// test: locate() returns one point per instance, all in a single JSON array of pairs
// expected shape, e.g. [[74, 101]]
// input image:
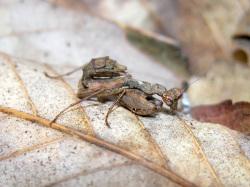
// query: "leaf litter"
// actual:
[[68, 161]]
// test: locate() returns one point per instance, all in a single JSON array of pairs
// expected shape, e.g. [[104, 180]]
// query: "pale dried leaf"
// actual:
[[28, 149]]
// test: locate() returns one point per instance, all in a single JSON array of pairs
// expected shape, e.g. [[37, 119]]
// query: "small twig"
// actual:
[[101, 143]]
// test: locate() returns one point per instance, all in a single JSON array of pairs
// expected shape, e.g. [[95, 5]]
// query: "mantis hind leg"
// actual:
[[76, 103], [112, 106]]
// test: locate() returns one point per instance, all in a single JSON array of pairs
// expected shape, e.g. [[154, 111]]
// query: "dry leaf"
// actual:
[[31, 155], [235, 116]]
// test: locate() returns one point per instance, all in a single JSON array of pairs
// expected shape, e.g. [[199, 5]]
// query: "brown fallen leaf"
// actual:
[[235, 116]]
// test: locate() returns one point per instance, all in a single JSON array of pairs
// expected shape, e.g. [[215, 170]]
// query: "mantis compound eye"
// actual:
[[171, 97], [167, 99]]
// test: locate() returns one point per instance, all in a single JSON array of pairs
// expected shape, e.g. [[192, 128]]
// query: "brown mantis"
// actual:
[[102, 67], [106, 79]]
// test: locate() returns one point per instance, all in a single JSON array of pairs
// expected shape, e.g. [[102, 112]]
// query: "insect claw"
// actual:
[[47, 75], [106, 120], [107, 123]]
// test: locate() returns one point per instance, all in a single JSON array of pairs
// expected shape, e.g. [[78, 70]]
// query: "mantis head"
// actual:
[[171, 97]]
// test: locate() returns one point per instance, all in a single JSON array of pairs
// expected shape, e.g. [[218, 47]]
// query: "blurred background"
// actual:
[[168, 41]]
